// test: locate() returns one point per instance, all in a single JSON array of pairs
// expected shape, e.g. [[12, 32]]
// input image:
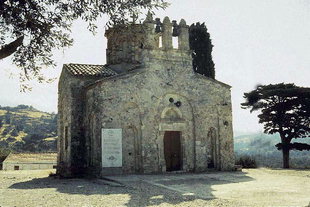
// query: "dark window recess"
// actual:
[[211, 164], [16, 167], [66, 137], [54, 166]]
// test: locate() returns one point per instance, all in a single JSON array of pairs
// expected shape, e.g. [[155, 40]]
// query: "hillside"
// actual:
[[262, 147], [26, 129]]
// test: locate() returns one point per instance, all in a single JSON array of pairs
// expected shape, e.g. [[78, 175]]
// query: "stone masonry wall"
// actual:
[[71, 142], [136, 102], [163, 94]]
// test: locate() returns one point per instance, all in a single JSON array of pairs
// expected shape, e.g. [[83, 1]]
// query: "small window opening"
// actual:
[[175, 42], [66, 138], [54, 166], [160, 45], [16, 167]]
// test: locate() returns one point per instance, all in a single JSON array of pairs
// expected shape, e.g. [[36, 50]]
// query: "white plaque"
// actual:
[[111, 145]]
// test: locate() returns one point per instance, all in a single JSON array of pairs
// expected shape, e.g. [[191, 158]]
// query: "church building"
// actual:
[[146, 110]]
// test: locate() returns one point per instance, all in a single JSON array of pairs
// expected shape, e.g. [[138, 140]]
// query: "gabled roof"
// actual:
[[31, 158], [89, 70]]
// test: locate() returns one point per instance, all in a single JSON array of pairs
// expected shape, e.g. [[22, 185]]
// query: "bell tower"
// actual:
[[149, 41]]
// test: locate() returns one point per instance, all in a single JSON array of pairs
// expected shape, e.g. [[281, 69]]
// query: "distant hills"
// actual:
[[26, 129], [262, 147], [256, 143]]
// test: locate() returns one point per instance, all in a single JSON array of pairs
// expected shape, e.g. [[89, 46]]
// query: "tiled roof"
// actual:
[[89, 70], [31, 158]]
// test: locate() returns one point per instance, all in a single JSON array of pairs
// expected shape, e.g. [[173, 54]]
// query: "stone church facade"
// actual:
[[146, 110]]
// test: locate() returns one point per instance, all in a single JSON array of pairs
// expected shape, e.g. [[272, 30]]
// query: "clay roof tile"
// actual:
[[89, 70]]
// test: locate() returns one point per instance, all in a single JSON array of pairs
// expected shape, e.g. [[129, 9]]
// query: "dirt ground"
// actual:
[[255, 187]]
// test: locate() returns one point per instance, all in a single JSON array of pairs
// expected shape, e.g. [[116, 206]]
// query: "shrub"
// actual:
[[246, 161], [14, 133]]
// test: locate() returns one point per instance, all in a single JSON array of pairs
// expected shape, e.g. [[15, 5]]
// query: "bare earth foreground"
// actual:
[[257, 187]]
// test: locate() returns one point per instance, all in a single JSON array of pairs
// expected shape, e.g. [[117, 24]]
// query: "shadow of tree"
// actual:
[[144, 190]]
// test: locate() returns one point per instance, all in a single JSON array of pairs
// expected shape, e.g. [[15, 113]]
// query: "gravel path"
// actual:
[[260, 187]]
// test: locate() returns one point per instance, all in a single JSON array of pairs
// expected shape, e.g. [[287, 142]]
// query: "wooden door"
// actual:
[[172, 150]]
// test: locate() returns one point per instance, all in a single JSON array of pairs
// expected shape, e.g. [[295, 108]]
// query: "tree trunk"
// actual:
[[286, 157]]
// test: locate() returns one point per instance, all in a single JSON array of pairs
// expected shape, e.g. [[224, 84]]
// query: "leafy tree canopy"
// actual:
[[285, 109], [32, 29], [200, 43]]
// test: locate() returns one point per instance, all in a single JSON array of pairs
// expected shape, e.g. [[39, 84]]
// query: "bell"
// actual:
[[158, 25], [175, 31]]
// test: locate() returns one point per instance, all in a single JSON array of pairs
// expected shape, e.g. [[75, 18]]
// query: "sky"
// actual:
[[255, 42]]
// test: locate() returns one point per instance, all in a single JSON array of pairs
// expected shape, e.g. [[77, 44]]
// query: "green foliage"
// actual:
[[200, 44], [5, 131], [32, 30], [17, 108], [246, 161], [21, 106], [14, 132], [285, 109], [7, 117], [294, 146]]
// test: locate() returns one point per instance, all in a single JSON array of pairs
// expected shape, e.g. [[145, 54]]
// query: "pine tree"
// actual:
[[285, 109]]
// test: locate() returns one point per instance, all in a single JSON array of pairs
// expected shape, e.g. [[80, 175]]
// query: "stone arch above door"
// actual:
[[171, 114], [175, 113]]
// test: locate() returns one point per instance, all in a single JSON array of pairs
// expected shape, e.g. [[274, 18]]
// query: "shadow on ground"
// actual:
[[144, 190]]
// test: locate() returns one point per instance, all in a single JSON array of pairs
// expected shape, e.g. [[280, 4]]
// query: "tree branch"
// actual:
[[294, 146], [10, 48]]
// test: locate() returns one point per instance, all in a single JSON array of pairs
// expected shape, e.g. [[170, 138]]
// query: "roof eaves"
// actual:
[[213, 80]]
